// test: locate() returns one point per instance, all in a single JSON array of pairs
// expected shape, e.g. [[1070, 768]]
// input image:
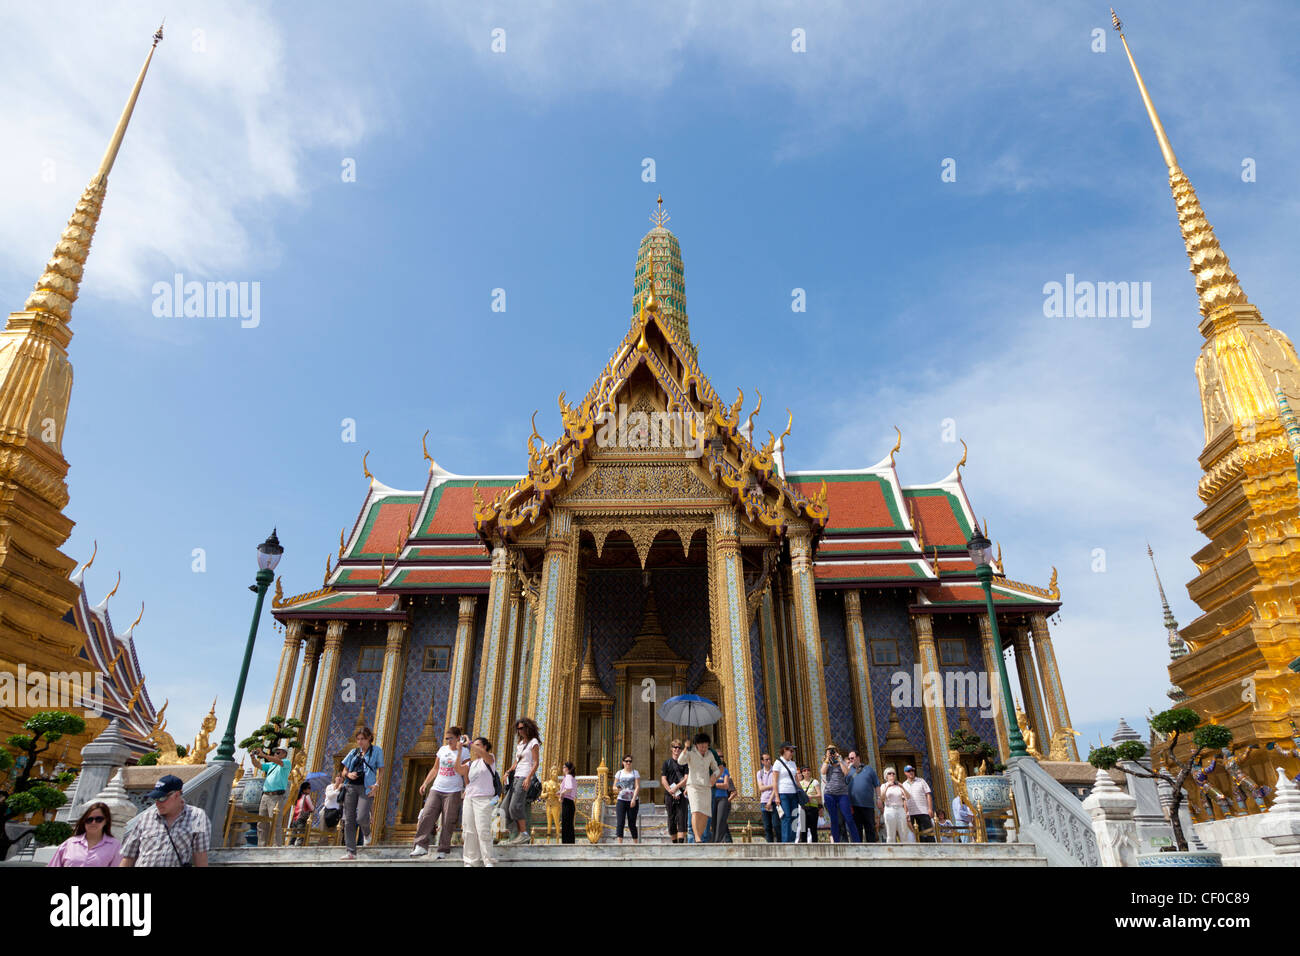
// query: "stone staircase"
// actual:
[[661, 854]]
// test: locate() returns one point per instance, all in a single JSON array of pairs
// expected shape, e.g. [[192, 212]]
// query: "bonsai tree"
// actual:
[[31, 793], [148, 760], [970, 744], [1170, 724], [270, 734]]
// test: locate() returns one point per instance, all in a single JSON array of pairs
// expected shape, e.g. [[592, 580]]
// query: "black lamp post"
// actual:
[[268, 556], [978, 547]]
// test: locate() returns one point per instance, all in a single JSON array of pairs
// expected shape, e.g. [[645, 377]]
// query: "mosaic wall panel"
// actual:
[[756, 659], [480, 630], [884, 615], [616, 604], [432, 624], [965, 627], [343, 713], [835, 665]]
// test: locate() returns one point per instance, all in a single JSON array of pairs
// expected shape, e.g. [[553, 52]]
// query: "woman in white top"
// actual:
[[442, 790], [480, 798], [333, 813], [894, 799], [628, 782], [528, 755]]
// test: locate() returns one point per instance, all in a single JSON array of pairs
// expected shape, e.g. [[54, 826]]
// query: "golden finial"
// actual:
[[1053, 589], [788, 425], [364, 469], [277, 599], [383, 568], [114, 591], [938, 571], [138, 617], [94, 551], [342, 543], [1000, 567], [651, 304], [425, 448], [478, 498], [964, 452], [1216, 283], [659, 217], [898, 445], [749, 422], [328, 569]]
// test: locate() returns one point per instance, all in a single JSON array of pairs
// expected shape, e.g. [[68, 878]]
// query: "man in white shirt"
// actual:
[[962, 817], [920, 802]]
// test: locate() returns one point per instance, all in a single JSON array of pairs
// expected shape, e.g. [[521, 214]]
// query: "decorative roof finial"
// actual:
[[659, 217], [366, 470], [59, 284], [115, 587], [1216, 283], [898, 445], [964, 452]]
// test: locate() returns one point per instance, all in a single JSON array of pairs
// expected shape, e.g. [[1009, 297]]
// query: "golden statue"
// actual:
[[596, 822], [1060, 748], [551, 797], [957, 772], [1027, 733], [164, 742], [199, 752]]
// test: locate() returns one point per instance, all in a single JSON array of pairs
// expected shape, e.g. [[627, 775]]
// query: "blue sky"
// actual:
[[522, 170]]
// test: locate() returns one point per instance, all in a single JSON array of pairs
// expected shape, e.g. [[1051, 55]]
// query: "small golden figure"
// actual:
[[551, 797]]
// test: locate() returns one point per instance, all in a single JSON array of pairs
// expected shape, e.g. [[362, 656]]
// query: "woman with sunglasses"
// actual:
[[92, 842], [628, 782], [528, 758], [894, 799]]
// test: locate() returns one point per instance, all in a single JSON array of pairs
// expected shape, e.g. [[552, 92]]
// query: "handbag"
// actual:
[[497, 789], [534, 789], [800, 795]]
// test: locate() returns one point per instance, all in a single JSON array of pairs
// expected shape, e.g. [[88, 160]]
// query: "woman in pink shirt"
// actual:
[[568, 803], [92, 842]]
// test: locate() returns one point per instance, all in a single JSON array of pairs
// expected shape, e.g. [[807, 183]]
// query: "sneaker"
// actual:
[[524, 838], [441, 855], [420, 851], [348, 856]]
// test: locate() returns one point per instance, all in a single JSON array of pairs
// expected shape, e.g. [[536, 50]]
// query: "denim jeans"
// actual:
[[840, 807], [865, 818], [789, 802], [771, 829]]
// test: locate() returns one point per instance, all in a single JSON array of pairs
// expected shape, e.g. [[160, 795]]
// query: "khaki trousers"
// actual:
[[267, 833], [438, 805]]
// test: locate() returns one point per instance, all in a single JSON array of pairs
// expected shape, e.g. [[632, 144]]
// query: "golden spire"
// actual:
[[57, 287], [659, 217], [1216, 283]]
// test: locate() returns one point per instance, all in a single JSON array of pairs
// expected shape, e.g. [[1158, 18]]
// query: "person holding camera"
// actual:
[[275, 766], [442, 799], [480, 798], [361, 766], [835, 794]]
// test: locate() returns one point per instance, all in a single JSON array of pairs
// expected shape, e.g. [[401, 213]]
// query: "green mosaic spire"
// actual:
[[670, 276]]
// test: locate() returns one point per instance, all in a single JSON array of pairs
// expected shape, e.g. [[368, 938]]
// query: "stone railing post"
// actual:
[[1112, 812], [1281, 825]]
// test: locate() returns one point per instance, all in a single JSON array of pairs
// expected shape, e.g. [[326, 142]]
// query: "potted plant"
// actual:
[[987, 790], [1170, 724], [30, 792], [276, 732]]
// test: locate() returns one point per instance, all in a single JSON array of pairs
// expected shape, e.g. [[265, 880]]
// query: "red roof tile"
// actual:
[[856, 502]]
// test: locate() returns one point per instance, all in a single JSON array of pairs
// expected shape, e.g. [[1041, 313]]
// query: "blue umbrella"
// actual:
[[318, 780], [689, 710]]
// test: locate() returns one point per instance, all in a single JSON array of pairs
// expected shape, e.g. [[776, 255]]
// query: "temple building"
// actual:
[[47, 624], [657, 546], [1238, 669]]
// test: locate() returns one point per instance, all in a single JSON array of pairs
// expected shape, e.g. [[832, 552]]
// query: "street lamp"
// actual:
[[268, 556], [978, 548]]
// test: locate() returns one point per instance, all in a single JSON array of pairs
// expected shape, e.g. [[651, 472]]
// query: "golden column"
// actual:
[[488, 706], [991, 675], [307, 679], [387, 714], [510, 663], [737, 667], [790, 661], [810, 642], [523, 699], [860, 674], [458, 702], [777, 719], [555, 615], [1055, 702], [318, 725], [936, 715], [283, 687], [1029, 689]]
